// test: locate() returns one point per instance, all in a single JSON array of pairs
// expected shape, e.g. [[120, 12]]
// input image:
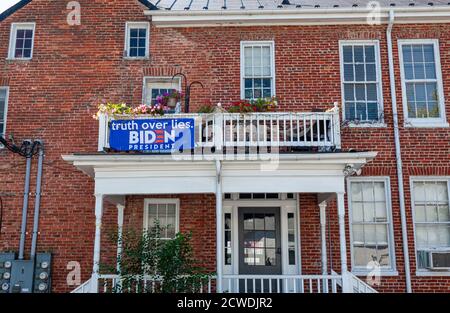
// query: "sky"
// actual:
[[4, 4]]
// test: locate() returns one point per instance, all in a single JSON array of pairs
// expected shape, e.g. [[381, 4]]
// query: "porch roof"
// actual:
[[118, 174]]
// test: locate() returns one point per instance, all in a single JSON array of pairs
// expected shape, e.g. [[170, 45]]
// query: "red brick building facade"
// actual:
[[53, 96]]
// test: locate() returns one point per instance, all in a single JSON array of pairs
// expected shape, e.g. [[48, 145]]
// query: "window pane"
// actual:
[[367, 190], [419, 71], [417, 53], [430, 71], [259, 221], [359, 72], [357, 209], [361, 111], [428, 51], [372, 92], [348, 72], [409, 71], [356, 191], [371, 74], [407, 53], [358, 234], [348, 53], [360, 92], [370, 53], [260, 257], [359, 53], [380, 212], [381, 235], [349, 93]]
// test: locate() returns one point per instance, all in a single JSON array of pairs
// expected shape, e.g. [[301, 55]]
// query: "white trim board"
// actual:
[[144, 174], [316, 16]]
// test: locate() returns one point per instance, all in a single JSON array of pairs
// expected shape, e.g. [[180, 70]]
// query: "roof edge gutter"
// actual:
[[385, 10], [398, 154], [329, 16]]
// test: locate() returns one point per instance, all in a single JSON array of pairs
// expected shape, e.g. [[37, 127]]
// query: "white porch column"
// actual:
[[120, 209], [219, 228], [323, 229], [98, 226], [343, 243]]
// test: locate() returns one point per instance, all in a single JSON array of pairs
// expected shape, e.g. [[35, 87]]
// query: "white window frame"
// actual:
[[423, 122], [385, 271], [12, 39], [5, 112], [412, 179], [128, 26], [154, 81], [376, 44], [271, 45], [175, 201]]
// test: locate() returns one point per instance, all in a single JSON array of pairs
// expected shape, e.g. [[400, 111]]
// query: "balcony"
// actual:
[[252, 132]]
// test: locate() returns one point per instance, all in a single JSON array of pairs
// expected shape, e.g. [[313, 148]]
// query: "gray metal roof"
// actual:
[[218, 5]]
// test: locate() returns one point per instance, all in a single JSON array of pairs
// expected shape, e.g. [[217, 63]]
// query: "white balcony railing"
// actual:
[[268, 129], [231, 284]]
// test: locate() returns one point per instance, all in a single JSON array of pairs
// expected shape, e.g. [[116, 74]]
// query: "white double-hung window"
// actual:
[[165, 212], [257, 69], [3, 109], [370, 224], [137, 40], [21, 41], [423, 96], [361, 81], [430, 202]]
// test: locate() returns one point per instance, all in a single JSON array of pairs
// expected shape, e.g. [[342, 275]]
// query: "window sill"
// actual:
[[421, 124], [367, 125], [18, 59], [383, 273], [136, 58], [425, 273]]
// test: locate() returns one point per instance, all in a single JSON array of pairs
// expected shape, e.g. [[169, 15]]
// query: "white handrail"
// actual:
[[83, 288], [352, 284]]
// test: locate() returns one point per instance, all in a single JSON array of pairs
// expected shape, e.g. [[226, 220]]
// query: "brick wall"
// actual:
[[74, 68]]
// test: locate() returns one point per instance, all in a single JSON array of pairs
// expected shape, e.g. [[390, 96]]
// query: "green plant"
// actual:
[[206, 109], [170, 264], [256, 105]]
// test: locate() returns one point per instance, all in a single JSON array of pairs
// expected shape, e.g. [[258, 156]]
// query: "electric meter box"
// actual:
[[6, 260], [22, 276], [42, 273]]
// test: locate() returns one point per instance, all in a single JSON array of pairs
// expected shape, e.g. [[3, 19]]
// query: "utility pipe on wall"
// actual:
[[398, 155], [37, 200], [26, 192]]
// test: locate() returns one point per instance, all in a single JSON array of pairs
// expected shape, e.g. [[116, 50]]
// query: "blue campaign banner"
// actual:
[[154, 135]]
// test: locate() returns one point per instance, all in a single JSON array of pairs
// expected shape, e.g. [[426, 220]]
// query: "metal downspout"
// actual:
[[398, 155], [219, 222]]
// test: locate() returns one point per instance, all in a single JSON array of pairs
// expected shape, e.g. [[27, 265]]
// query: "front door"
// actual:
[[259, 247]]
